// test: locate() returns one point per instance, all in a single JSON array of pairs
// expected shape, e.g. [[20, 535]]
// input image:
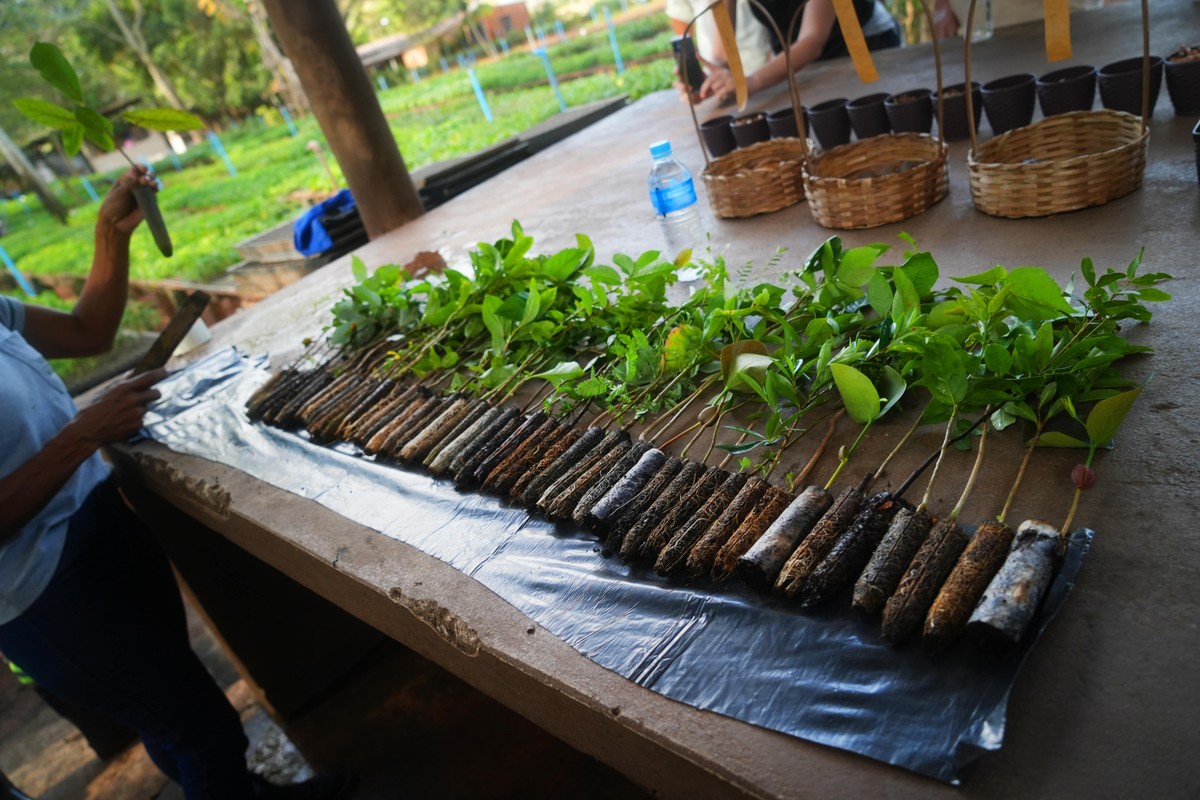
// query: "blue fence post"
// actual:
[[382, 81], [175, 162], [26, 287], [87, 187], [444, 63], [612, 39], [595, 15], [220, 148], [540, 53], [483, 103], [287, 120], [560, 30], [504, 46], [541, 35], [24, 203], [157, 181], [529, 38], [624, 5]]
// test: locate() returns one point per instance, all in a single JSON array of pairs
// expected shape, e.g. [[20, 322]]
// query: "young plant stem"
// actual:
[[679, 409], [1065, 528], [966, 492], [937, 454], [1012, 492], [903, 441], [937, 464], [802, 476], [845, 456]]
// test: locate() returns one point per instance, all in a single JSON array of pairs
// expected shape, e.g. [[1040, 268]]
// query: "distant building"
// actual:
[[505, 19]]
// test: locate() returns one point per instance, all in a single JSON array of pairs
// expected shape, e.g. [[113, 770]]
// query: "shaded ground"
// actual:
[[409, 728]]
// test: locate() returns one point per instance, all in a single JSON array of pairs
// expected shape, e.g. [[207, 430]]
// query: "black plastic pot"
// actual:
[[1196, 143], [750, 129], [782, 124], [954, 110], [1009, 101], [830, 123], [1121, 84], [718, 136], [147, 201], [1069, 89], [911, 111], [868, 117], [1183, 84]]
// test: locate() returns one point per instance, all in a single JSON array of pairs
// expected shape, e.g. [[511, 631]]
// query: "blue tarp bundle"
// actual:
[[309, 232]]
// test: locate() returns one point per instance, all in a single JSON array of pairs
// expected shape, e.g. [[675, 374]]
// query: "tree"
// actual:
[[131, 31]]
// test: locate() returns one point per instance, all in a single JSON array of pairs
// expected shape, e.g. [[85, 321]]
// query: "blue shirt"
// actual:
[[34, 407]]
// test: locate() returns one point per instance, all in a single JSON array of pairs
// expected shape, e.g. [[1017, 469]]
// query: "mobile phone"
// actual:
[[690, 70]]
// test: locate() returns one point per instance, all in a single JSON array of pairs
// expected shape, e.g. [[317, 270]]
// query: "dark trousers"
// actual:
[[109, 633]]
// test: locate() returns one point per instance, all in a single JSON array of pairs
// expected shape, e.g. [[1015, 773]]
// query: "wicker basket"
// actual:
[[875, 181], [1061, 163], [885, 178], [759, 179]]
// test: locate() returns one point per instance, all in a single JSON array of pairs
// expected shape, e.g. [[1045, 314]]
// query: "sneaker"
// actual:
[[334, 784]]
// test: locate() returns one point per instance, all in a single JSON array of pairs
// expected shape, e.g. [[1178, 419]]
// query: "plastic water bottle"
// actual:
[[674, 197]]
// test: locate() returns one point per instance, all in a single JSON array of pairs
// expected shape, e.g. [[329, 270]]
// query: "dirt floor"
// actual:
[[410, 730]]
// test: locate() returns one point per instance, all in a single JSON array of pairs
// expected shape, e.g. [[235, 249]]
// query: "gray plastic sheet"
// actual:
[[825, 676]]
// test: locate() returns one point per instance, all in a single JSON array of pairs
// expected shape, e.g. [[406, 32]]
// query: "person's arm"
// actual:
[[815, 28], [945, 21], [115, 416], [92, 325]]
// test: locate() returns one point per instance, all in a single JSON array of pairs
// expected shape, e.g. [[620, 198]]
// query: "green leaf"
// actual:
[[858, 264], [58, 72], [1153, 295], [1089, 271], [497, 376], [603, 274], [72, 138], [732, 350], [997, 358], [989, 278], [492, 321], [894, 387], [164, 119], [1056, 439], [906, 299], [594, 386], [1041, 295], [857, 392], [560, 372], [922, 271], [533, 303], [879, 293], [684, 344], [747, 372], [563, 265], [358, 268], [43, 113], [96, 127], [1107, 415]]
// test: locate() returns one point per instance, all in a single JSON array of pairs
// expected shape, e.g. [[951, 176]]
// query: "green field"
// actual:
[[209, 211]]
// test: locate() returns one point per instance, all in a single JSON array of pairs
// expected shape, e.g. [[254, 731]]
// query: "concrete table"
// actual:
[[1105, 706]]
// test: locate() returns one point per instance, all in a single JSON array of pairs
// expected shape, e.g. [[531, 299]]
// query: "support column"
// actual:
[[315, 38]]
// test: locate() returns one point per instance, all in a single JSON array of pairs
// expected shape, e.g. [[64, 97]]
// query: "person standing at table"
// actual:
[[88, 604], [818, 37]]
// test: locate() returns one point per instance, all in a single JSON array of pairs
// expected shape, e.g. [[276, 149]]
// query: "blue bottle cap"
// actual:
[[660, 149]]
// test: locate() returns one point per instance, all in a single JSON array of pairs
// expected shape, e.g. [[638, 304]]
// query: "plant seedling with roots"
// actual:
[[84, 122]]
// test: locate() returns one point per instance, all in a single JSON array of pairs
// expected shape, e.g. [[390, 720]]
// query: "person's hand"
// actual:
[[719, 84], [119, 212], [117, 414]]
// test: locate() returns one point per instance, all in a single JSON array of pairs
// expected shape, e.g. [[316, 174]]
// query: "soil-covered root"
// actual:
[[820, 539], [770, 505], [674, 555], [621, 522], [702, 554], [904, 610], [978, 564], [676, 490], [761, 563], [1012, 597], [886, 566], [617, 488], [849, 554]]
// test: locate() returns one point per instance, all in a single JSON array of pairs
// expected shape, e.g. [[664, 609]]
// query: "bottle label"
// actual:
[[673, 198]]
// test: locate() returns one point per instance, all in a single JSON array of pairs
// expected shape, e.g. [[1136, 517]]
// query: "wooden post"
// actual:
[[343, 100]]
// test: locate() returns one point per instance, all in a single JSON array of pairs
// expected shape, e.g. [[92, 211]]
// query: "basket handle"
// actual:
[[1146, 110]]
